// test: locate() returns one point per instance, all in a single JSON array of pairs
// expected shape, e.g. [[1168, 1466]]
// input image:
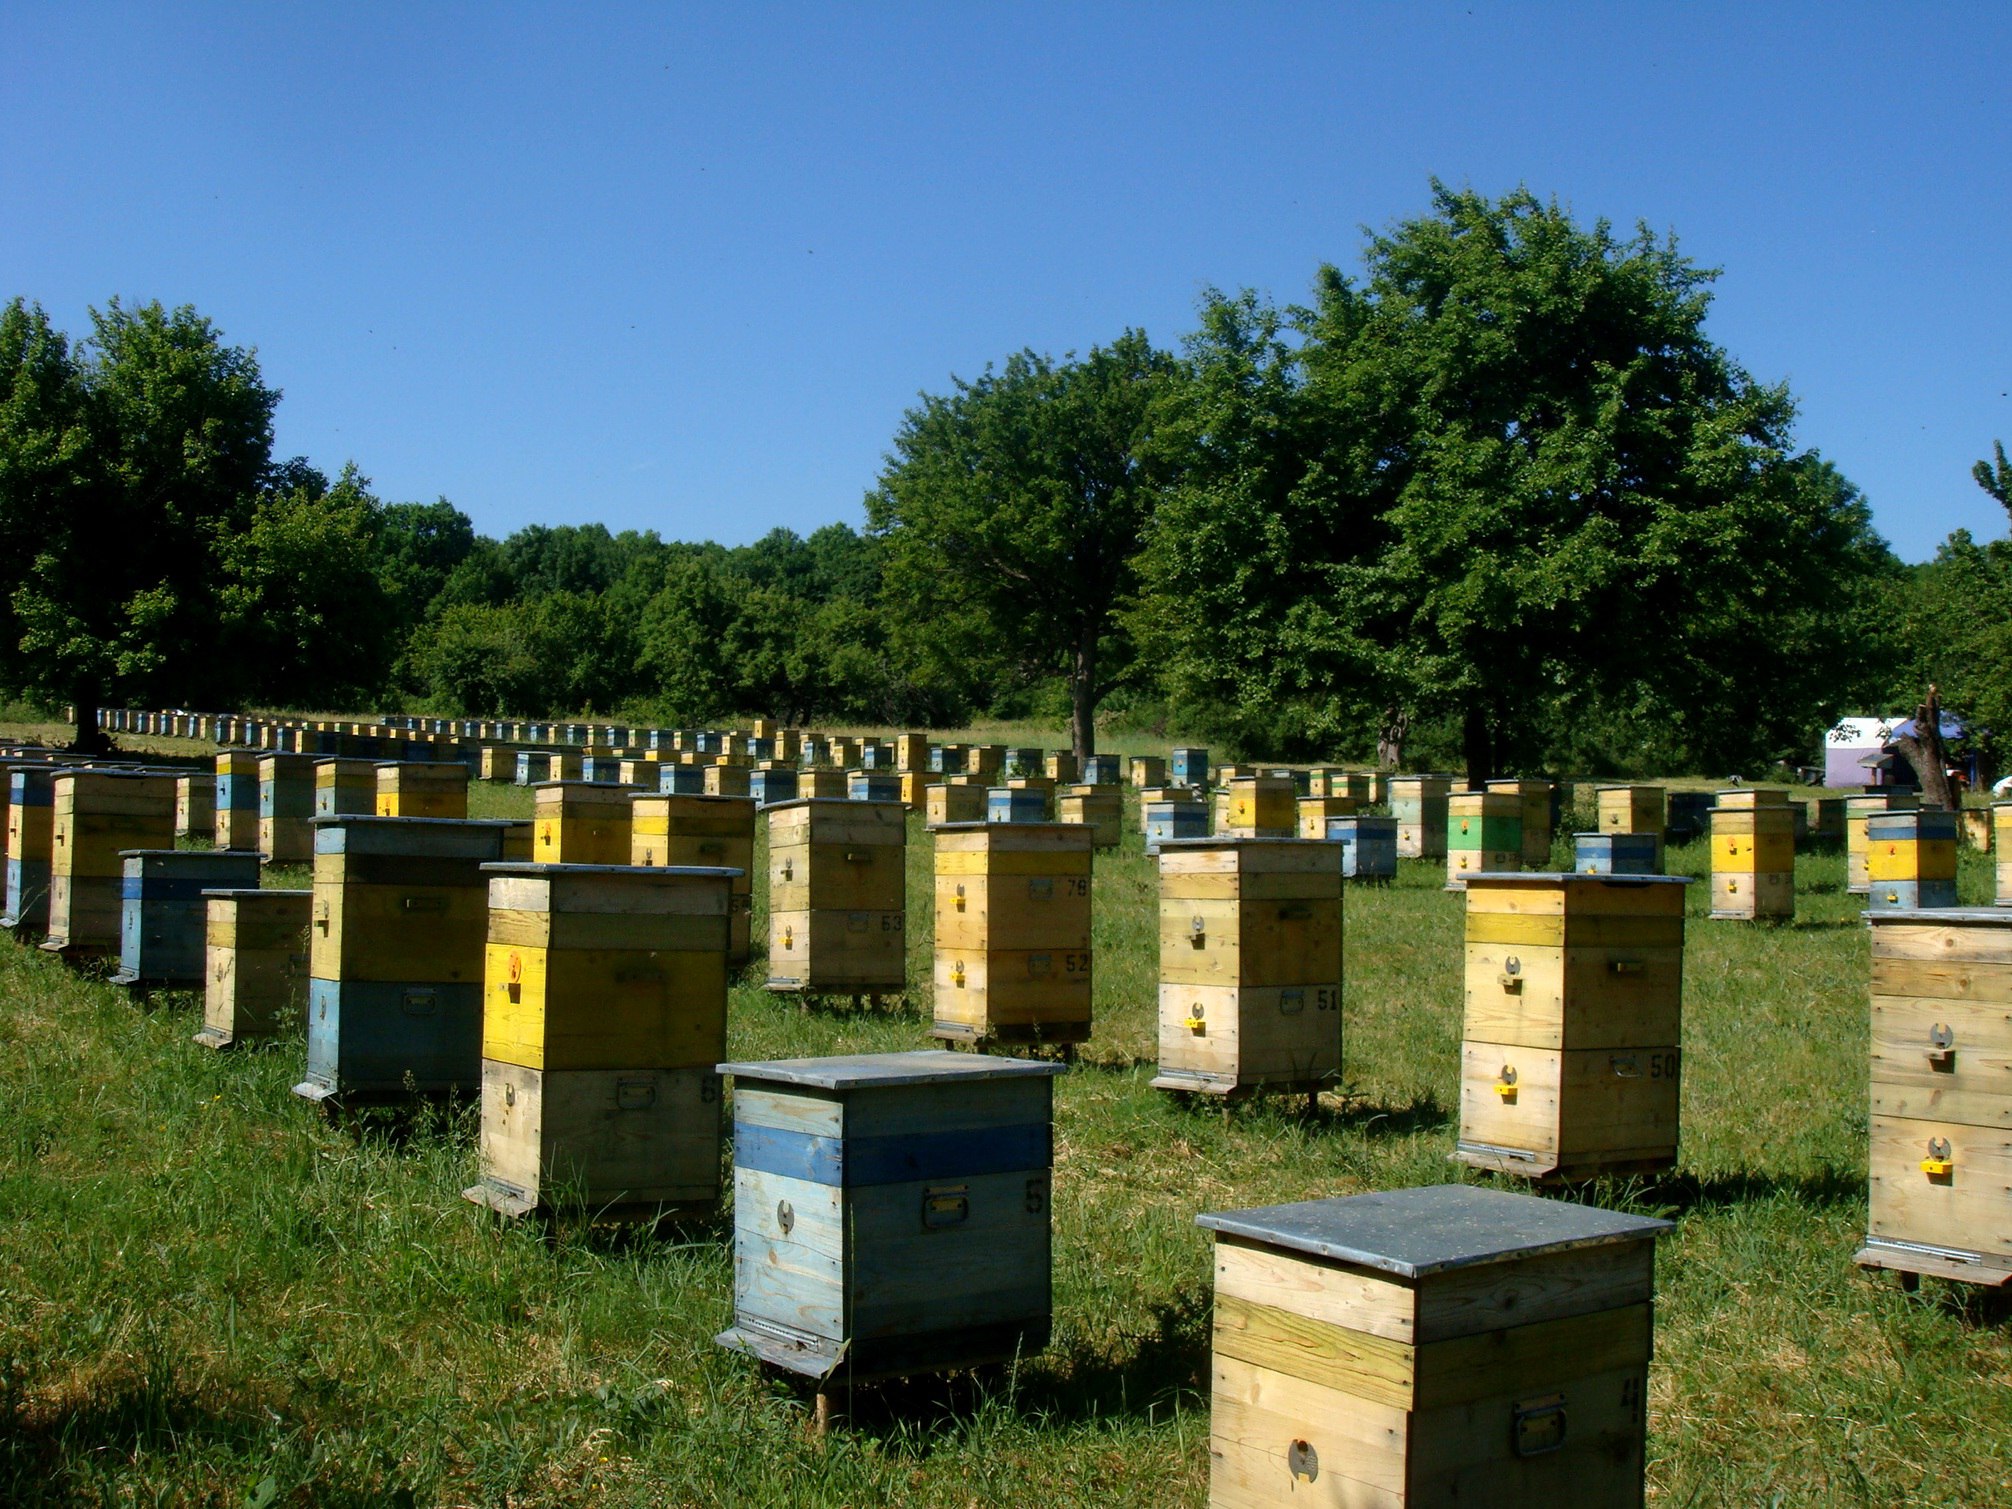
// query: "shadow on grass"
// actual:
[[892, 1004], [404, 1125], [1841, 924], [1683, 1193], [1370, 1119]]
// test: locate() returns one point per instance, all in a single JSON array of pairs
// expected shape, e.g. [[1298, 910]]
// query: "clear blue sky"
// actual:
[[682, 268]]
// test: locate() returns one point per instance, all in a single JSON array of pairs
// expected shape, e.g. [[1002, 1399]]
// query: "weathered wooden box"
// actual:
[[1941, 1154], [97, 815], [837, 896], [1616, 854], [954, 802], [31, 814], [1101, 770], [911, 752], [1016, 804], [873, 786], [1062, 767], [1634, 809], [915, 787], [1316, 812], [237, 799], [1261, 806], [1146, 770], [345, 787], [1688, 814], [891, 1212], [768, 787], [724, 779], [255, 964], [422, 788], [604, 1011], [286, 808], [581, 823], [1533, 810], [1418, 802], [2001, 837], [1431, 1347], [701, 831], [497, 763], [163, 918], [1858, 810], [1189, 766], [680, 779], [1012, 933], [196, 806], [1570, 1053], [988, 760], [1484, 831], [1175, 814], [1100, 808], [1753, 855], [1368, 846], [400, 920], [1910, 859], [1250, 965]]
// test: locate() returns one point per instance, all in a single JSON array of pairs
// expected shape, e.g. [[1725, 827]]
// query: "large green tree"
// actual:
[[1012, 512], [1507, 481]]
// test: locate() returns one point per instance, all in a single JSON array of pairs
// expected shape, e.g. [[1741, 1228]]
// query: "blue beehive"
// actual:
[[1174, 817], [605, 770], [891, 1212], [31, 815], [873, 786], [534, 766], [682, 780], [1016, 804], [1190, 766], [1102, 770], [163, 917], [1617, 853], [1368, 846], [706, 742], [770, 786]]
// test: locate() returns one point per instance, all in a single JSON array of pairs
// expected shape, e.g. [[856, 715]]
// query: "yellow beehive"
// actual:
[[1422, 1348], [1753, 855], [844, 753], [413, 788], [837, 896], [703, 831], [958, 800], [1100, 808], [604, 1013], [1250, 965], [1941, 1153], [1533, 806], [1013, 933], [766, 728], [985, 760], [1857, 810], [911, 753], [498, 763], [823, 784], [1062, 767], [98, 814], [1634, 809], [1570, 1057], [1260, 806], [915, 784], [580, 823], [2001, 823], [1146, 770], [1314, 811], [255, 986]]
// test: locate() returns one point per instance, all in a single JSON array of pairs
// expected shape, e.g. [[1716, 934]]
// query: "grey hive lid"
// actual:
[[927, 1066], [1559, 877], [1943, 916], [531, 869], [1413, 1233]]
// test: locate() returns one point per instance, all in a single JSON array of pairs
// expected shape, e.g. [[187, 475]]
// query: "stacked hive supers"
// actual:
[[97, 815], [702, 831], [1418, 802], [837, 896], [256, 964], [1753, 855], [1484, 832]]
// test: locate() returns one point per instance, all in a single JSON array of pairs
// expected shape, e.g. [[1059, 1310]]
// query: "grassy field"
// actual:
[[209, 1295]]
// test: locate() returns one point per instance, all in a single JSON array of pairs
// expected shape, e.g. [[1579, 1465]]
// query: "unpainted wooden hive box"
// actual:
[[1147, 770], [196, 806], [286, 808], [255, 964], [400, 919], [422, 788], [1250, 964], [1177, 812], [1941, 1157], [163, 918], [96, 815], [1753, 855], [1418, 802], [891, 1212], [1317, 811], [345, 787], [672, 829], [580, 823], [837, 896], [603, 1014], [1633, 809], [1100, 808], [1013, 961], [2001, 840], [1484, 831], [1439, 1346], [953, 802], [1570, 1061]]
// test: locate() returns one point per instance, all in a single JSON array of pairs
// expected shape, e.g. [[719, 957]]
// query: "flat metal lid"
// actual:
[[1413, 1233], [1230, 841], [1942, 916], [926, 1066], [536, 870], [1558, 877]]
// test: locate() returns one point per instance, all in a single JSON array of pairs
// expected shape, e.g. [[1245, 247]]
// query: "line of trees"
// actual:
[[1498, 502]]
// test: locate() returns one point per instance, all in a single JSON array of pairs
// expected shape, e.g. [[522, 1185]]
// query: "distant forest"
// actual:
[[1496, 501]]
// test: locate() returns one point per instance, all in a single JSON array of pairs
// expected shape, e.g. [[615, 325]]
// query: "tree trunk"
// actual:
[[1923, 750], [89, 739], [1478, 743], [1083, 697], [1390, 732]]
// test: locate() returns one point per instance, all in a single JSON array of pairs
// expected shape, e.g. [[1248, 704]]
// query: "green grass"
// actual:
[[209, 1295]]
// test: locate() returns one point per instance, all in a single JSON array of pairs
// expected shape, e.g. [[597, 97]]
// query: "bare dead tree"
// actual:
[[1923, 750]]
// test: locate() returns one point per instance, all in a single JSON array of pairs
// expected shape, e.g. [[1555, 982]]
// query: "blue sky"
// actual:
[[683, 267]]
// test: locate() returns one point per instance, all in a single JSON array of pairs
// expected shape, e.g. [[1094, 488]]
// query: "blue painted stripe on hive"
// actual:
[[856, 1162]]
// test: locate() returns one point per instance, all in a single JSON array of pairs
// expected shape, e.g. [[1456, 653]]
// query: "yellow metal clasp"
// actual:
[[960, 906], [788, 938], [1194, 1021], [1938, 1164], [1505, 1084], [1511, 977], [957, 974]]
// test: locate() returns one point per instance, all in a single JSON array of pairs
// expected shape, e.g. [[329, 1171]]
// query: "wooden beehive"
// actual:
[[1910, 859], [579, 823], [1012, 933], [1616, 854], [1633, 809], [604, 1013], [915, 786], [704, 832], [988, 760], [163, 918], [1418, 802], [1026, 760], [1688, 815], [1250, 965], [1260, 806], [1753, 855], [1570, 1051], [345, 787], [422, 788], [395, 956], [1430, 1347], [96, 816], [1316, 812], [1176, 812], [1484, 832], [1099, 808], [255, 964], [1101, 770], [286, 808], [768, 787], [1533, 809], [1062, 767], [196, 806], [1368, 846], [681, 779], [954, 802], [1189, 766], [872, 786], [2001, 829], [1147, 770], [837, 897], [31, 813], [891, 1212], [823, 785], [237, 799], [497, 763], [911, 752], [1017, 804], [1941, 1144]]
